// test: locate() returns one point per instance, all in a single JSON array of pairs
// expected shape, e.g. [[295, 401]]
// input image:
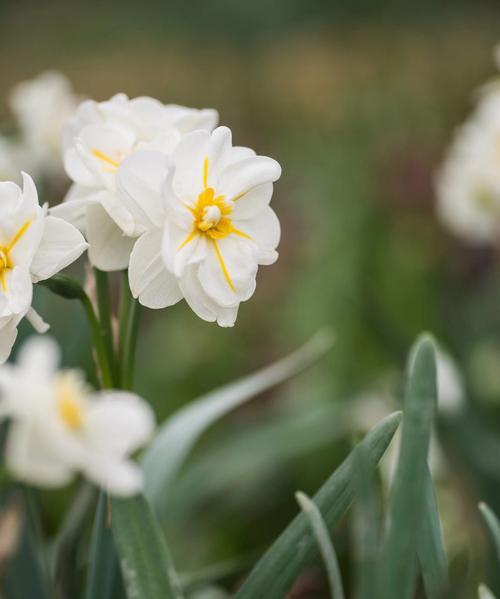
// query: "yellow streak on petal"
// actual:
[[18, 235], [240, 233], [239, 196], [205, 173], [3, 282], [188, 239], [105, 158], [223, 266]]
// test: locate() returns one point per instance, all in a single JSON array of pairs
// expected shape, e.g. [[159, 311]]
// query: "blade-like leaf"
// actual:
[[177, 436], [430, 546], [144, 559], [25, 574], [103, 572], [493, 525], [295, 548], [367, 525], [484, 592], [397, 572], [325, 544]]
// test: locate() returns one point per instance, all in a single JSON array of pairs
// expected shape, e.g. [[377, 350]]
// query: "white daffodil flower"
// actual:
[[468, 185], [33, 247], [59, 427], [96, 141], [42, 106], [219, 225]]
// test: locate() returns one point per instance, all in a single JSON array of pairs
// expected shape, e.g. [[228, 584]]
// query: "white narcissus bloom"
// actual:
[[60, 427], [468, 184], [33, 247], [220, 226], [96, 141], [42, 105]]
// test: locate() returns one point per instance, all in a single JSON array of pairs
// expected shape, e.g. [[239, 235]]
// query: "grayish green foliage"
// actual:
[[397, 571], [325, 544], [178, 435], [295, 548], [142, 552]]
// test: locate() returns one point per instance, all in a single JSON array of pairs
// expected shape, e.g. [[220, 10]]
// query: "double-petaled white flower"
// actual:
[[60, 427], [33, 247], [207, 220], [96, 142], [41, 106]]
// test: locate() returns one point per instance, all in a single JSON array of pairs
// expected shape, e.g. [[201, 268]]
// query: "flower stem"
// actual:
[[71, 289], [100, 349], [129, 343], [106, 330]]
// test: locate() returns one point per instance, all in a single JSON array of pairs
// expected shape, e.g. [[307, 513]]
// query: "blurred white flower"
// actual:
[[451, 390], [96, 141], [468, 185], [59, 427], [219, 226], [42, 106], [33, 247]]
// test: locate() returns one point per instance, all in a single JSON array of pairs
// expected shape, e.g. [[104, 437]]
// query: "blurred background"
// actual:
[[358, 101]]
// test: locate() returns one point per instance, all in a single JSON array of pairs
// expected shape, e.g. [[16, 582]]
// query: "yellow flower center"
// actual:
[[6, 263], [70, 395], [211, 215]]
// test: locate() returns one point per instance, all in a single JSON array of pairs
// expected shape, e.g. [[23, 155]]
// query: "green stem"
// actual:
[[123, 312], [99, 346], [106, 330], [71, 289], [129, 344]]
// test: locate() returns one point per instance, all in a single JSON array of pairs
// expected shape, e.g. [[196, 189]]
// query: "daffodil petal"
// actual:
[[149, 279], [109, 248]]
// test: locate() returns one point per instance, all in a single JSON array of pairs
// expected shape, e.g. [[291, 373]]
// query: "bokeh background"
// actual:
[[358, 101]]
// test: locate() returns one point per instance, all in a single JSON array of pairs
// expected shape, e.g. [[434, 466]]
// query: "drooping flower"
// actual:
[[59, 427], [41, 106], [220, 226], [96, 141], [33, 247]]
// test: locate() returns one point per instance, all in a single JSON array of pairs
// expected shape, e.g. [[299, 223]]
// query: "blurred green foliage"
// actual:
[[358, 101]]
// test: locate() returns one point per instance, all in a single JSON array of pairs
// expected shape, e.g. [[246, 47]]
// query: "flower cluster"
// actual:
[[468, 185], [58, 427], [158, 190]]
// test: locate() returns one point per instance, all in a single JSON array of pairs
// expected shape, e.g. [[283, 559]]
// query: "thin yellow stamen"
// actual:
[[105, 158], [3, 281], [188, 239], [18, 235], [225, 272], [240, 233], [205, 173]]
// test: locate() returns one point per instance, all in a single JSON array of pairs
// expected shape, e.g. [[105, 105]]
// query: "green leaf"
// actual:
[[144, 559], [397, 571], [430, 546], [295, 548], [177, 436], [367, 525], [65, 286], [103, 579], [493, 525], [484, 592], [325, 544], [26, 574]]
